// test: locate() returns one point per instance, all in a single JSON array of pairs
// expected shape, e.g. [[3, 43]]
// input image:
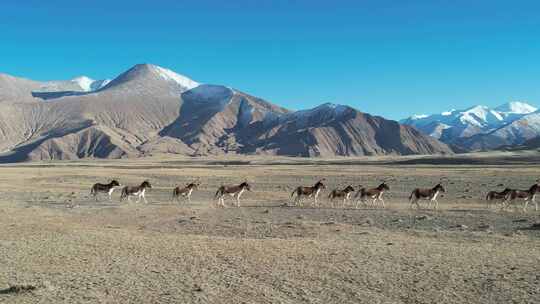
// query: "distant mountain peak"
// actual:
[[457, 125], [80, 84], [179, 79], [84, 82], [517, 107], [146, 72]]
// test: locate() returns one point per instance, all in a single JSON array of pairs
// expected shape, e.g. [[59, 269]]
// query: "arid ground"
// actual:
[[58, 245]]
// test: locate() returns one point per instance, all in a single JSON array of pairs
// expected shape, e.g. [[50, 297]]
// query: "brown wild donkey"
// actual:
[[375, 194], [426, 194], [526, 195], [493, 196], [344, 194], [104, 188], [138, 191], [234, 191], [312, 191], [185, 191]]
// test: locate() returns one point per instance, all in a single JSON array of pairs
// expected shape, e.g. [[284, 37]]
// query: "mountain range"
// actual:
[[151, 110], [481, 128]]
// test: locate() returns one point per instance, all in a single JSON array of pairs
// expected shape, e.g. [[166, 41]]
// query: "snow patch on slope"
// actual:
[[517, 107], [84, 82], [179, 79]]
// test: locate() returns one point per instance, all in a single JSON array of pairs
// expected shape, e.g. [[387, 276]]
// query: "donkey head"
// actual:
[[146, 184], [383, 186], [439, 187], [245, 185]]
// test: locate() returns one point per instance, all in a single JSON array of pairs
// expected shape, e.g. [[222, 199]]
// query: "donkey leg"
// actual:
[[505, 204], [414, 202]]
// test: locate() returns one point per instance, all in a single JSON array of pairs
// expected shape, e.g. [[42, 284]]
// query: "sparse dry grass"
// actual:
[[107, 252]]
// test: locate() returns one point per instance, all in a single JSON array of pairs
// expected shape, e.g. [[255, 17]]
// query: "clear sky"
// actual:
[[390, 58]]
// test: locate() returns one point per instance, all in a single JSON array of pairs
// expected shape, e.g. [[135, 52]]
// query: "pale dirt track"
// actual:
[[74, 250]]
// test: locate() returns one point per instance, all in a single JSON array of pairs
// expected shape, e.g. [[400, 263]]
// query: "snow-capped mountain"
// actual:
[[175, 77], [77, 84], [516, 107], [152, 110], [143, 76], [516, 133], [456, 124]]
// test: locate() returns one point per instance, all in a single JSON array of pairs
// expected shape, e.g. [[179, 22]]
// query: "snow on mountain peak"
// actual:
[[172, 76], [478, 119], [516, 107], [84, 82], [447, 113]]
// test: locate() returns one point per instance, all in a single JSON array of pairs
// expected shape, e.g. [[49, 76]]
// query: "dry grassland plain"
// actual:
[[58, 245]]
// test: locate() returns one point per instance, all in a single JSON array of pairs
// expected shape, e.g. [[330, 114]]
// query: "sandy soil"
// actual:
[[57, 245]]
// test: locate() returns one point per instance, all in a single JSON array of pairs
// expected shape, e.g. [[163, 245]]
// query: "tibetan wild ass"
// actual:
[[185, 191], [493, 196], [234, 191], [344, 194], [426, 194], [375, 194], [138, 191], [104, 188], [526, 195], [312, 191]]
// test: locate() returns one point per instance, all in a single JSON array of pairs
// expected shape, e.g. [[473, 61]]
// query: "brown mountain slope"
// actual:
[[330, 130], [15, 89], [150, 110]]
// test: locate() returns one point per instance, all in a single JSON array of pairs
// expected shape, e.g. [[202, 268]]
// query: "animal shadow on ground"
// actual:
[[535, 226], [15, 289]]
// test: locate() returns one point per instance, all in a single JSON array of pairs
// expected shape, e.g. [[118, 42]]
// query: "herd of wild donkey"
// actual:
[[373, 196]]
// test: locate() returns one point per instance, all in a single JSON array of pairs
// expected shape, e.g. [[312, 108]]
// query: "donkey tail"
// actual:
[[412, 194]]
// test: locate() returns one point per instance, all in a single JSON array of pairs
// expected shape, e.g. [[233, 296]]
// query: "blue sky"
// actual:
[[390, 58]]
